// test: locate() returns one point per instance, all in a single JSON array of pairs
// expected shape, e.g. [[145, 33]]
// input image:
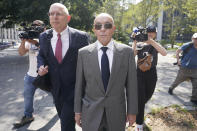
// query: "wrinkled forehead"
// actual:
[[103, 19]]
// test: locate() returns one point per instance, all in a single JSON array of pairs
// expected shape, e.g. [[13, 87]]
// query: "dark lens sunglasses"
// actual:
[[98, 26]]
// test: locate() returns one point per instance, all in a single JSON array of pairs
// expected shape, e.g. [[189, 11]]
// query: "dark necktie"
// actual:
[[58, 49], [105, 67]]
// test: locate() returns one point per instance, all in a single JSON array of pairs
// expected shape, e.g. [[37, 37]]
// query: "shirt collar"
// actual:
[[64, 32], [110, 45]]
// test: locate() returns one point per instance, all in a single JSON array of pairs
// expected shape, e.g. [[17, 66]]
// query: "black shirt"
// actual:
[[144, 49]]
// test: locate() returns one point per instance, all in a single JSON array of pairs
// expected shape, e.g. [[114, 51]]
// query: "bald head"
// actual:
[[104, 28], [102, 15], [59, 5]]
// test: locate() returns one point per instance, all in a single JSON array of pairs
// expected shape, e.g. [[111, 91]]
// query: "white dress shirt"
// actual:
[[33, 53], [109, 53], [65, 41]]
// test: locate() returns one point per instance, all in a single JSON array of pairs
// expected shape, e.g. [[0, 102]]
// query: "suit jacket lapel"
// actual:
[[115, 67], [94, 63]]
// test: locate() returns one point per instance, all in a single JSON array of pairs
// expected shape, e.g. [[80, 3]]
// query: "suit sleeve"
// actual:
[[80, 85], [131, 86], [41, 60]]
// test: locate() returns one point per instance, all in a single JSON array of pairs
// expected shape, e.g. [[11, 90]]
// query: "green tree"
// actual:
[[174, 21], [116, 8], [82, 12], [17, 11], [191, 13], [142, 14]]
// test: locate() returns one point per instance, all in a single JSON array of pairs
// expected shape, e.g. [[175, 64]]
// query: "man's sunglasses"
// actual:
[[98, 26]]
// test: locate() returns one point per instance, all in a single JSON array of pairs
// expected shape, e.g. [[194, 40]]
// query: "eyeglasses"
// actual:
[[55, 14], [98, 26]]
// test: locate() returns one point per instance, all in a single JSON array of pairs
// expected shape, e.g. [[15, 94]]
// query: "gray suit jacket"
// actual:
[[90, 96]]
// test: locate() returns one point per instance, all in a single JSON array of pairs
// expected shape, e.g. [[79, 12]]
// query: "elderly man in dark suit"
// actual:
[[106, 76], [58, 57]]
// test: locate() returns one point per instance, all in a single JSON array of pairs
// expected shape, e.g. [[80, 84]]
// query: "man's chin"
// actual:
[[104, 42]]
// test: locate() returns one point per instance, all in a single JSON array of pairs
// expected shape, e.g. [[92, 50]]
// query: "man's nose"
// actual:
[[102, 28]]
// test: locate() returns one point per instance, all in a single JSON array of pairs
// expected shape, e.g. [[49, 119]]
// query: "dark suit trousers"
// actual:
[[66, 115], [103, 125], [146, 86]]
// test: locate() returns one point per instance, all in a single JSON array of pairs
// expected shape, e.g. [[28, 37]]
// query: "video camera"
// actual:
[[141, 34], [31, 32]]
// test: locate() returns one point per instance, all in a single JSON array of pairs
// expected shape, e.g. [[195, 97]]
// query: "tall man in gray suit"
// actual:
[[106, 76]]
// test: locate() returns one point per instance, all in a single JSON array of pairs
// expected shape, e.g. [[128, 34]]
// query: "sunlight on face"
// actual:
[[58, 18], [104, 34]]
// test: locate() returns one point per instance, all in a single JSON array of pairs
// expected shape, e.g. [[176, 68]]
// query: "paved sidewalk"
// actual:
[[13, 68]]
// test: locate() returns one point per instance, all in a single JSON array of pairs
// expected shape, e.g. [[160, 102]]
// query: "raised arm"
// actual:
[[157, 46], [22, 50]]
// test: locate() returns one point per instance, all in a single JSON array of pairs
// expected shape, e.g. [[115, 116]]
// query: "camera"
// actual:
[[141, 34], [30, 32]]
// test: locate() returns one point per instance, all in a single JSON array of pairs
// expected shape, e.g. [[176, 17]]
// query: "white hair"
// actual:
[[62, 6]]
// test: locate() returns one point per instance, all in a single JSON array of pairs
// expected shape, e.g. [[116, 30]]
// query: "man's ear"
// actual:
[[68, 18], [114, 27]]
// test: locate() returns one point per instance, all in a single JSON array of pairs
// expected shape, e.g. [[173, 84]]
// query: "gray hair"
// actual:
[[62, 6]]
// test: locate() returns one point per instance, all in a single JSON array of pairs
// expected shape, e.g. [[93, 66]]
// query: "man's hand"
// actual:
[[131, 119], [42, 70], [150, 41], [78, 119]]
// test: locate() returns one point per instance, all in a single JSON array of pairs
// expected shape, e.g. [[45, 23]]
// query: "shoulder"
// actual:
[[87, 48], [186, 45], [77, 32], [123, 47], [47, 33]]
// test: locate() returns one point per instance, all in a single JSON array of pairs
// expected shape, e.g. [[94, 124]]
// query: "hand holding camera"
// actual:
[[32, 41], [140, 34]]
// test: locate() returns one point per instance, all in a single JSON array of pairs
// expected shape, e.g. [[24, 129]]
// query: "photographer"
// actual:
[[146, 48], [30, 45], [188, 67]]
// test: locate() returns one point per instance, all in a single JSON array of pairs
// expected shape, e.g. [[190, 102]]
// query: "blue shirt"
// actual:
[[190, 58]]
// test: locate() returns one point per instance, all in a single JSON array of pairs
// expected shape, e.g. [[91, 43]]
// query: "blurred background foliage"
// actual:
[[180, 16]]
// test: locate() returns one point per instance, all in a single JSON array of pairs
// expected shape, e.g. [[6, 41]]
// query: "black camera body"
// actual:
[[141, 34], [31, 32]]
